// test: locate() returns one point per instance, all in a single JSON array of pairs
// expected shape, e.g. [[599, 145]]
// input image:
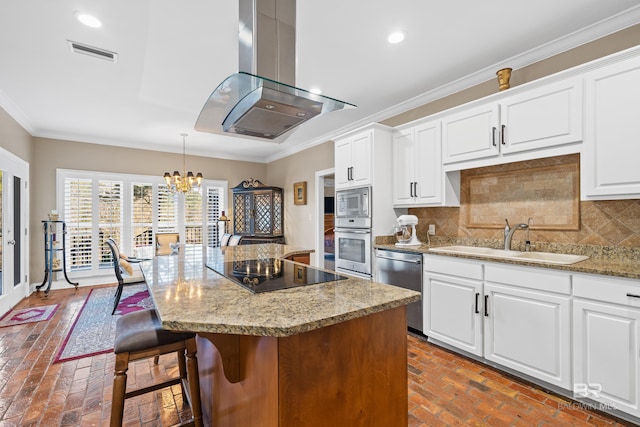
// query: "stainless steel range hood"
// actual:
[[261, 100]]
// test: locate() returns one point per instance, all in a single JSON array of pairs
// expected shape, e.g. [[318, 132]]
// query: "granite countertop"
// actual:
[[609, 261], [191, 297]]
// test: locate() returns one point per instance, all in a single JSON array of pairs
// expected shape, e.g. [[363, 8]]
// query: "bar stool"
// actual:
[[139, 335]]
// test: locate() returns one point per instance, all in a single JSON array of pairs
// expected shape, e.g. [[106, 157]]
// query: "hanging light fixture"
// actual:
[[185, 182]]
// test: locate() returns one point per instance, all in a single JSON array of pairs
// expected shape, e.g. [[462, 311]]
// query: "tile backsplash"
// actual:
[[605, 223]]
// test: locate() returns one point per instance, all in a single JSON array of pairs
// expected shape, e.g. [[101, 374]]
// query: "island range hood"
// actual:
[[261, 101]]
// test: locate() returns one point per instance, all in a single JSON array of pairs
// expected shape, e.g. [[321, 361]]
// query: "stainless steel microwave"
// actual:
[[353, 203]]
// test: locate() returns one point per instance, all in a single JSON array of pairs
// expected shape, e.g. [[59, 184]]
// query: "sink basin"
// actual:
[[475, 250], [541, 257], [551, 258]]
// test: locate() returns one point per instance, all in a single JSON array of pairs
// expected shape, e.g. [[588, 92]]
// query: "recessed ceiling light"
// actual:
[[395, 37], [88, 20]]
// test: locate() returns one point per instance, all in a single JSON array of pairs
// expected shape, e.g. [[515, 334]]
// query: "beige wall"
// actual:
[[51, 154], [14, 138], [300, 220]]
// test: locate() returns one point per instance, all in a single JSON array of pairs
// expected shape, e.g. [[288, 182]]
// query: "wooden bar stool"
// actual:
[[139, 335]]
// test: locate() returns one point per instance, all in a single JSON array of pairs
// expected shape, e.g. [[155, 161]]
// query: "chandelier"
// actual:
[[185, 182]]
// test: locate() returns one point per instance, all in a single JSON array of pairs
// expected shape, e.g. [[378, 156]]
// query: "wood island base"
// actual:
[[353, 373]]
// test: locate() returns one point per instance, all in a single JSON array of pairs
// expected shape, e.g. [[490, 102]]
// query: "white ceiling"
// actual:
[[172, 54]]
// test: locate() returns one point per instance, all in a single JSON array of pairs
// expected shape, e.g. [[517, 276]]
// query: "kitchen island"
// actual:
[[324, 354]]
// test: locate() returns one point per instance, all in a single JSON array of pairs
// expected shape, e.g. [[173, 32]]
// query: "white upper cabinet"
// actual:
[[543, 117], [354, 155], [471, 134], [418, 179], [611, 150], [525, 122]]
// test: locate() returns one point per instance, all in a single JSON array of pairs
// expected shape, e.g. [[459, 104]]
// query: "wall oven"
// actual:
[[353, 231], [353, 251]]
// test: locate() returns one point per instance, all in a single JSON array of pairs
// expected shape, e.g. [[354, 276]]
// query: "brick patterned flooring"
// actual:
[[444, 389]]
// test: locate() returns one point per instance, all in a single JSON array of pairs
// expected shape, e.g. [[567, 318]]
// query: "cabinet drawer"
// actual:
[[529, 277], [453, 266], [615, 290]]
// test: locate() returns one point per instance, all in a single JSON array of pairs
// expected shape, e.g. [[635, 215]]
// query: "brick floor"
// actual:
[[444, 389]]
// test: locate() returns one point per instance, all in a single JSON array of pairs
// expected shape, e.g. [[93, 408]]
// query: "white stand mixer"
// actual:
[[406, 231]]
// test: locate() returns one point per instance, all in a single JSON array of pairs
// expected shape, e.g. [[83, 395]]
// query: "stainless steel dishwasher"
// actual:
[[403, 269]]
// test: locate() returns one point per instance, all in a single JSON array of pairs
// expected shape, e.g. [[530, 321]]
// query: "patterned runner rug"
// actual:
[[18, 316], [93, 331]]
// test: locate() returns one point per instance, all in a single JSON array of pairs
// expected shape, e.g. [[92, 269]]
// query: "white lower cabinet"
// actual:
[[452, 315], [606, 331], [529, 331], [518, 317]]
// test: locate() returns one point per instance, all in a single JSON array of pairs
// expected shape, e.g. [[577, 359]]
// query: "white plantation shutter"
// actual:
[[167, 209], [78, 214], [141, 214], [109, 218], [130, 209], [193, 217]]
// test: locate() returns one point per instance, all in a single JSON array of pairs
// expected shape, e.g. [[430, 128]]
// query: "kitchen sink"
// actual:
[[551, 258], [540, 257], [475, 250]]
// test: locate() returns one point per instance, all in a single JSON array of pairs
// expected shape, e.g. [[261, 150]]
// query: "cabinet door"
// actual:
[[452, 311], [611, 152], [428, 170], [529, 331], [342, 163], [607, 354], [361, 159], [471, 134], [542, 117], [403, 167]]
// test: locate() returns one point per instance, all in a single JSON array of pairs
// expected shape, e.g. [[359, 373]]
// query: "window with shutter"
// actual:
[[142, 214], [78, 214], [109, 218], [193, 218], [130, 209]]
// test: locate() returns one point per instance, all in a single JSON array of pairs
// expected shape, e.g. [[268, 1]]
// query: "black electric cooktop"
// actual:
[[271, 274]]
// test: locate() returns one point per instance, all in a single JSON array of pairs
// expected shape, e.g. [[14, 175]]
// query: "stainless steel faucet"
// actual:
[[508, 233]]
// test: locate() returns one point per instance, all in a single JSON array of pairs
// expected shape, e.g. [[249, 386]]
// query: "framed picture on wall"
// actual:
[[300, 193]]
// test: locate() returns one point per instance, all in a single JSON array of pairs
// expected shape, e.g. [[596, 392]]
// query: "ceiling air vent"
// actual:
[[93, 51]]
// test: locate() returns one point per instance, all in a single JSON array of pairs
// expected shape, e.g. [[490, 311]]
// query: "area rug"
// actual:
[[94, 328], [19, 316]]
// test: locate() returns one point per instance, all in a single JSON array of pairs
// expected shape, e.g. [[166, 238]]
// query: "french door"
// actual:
[[14, 225]]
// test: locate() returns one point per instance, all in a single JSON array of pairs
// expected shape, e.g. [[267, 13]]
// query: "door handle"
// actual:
[[11, 242], [493, 136], [633, 296], [477, 297], [486, 305], [504, 127]]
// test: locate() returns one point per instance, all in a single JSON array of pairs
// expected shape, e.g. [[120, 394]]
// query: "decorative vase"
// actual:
[[503, 78]]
